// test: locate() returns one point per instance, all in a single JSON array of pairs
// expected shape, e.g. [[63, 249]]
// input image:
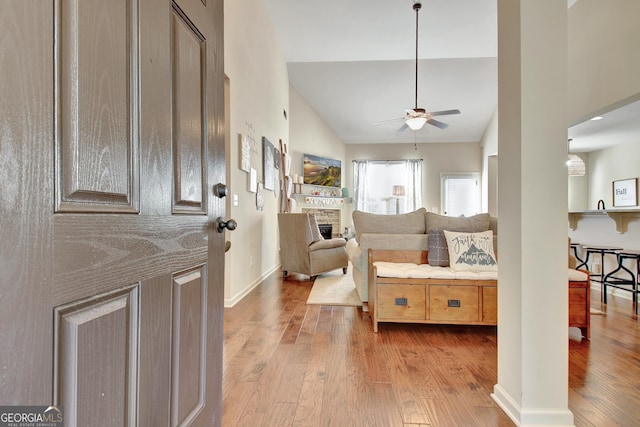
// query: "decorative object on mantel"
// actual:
[[625, 193], [326, 201]]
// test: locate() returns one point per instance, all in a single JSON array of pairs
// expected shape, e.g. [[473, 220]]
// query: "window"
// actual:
[[387, 186], [460, 194]]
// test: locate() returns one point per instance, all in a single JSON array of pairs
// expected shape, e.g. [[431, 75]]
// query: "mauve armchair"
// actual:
[[304, 250]]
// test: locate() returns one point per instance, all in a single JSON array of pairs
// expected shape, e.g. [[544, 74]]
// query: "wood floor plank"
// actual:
[[289, 364]]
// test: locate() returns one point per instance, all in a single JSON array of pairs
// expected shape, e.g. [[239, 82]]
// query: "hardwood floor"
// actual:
[[291, 364]]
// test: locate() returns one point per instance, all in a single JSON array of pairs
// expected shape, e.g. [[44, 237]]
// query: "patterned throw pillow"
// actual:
[[471, 251], [438, 253]]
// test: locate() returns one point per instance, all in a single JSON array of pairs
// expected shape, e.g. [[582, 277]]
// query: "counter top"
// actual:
[[620, 216]]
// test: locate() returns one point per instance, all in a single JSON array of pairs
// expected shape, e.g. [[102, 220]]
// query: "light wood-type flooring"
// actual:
[[291, 364]]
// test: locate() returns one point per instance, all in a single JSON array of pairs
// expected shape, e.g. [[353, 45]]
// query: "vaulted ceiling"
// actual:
[[354, 62]]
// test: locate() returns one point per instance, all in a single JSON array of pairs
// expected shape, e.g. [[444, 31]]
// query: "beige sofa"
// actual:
[[408, 231]]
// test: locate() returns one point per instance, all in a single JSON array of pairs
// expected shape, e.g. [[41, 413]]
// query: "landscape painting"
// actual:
[[322, 171]]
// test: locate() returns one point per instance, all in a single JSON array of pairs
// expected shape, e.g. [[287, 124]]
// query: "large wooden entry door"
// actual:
[[111, 266]]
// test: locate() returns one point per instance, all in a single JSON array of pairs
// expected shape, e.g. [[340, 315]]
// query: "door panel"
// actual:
[[189, 116], [96, 347], [112, 297], [189, 345], [155, 351], [97, 105]]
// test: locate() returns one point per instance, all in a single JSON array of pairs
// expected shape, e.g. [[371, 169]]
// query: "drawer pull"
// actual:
[[401, 301], [453, 303]]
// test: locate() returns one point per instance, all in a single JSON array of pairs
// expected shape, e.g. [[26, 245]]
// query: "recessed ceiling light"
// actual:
[[597, 118]]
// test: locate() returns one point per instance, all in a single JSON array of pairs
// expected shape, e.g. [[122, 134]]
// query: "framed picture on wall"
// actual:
[[245, 153], [625, 193], [268, 165]]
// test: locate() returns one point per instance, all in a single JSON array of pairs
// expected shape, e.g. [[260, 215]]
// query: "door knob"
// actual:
[[220, 190], [229, 224]]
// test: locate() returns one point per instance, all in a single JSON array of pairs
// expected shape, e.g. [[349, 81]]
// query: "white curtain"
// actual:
[[413, 199], [373, 182], [359, 187]]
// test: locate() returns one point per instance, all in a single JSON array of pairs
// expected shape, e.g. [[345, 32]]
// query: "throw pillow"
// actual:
[[472, 224], [409, 223], [438, 255], [471, 251]]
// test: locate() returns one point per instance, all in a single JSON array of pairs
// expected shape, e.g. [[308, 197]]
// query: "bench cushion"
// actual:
[[577, 275], [406, 270]]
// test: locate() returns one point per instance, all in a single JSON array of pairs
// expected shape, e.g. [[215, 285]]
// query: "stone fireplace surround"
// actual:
[[326, 216]]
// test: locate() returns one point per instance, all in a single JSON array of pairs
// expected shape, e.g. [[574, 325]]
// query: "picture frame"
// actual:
[[322, 171], [625, 192], [268, 165], [245, 153], [253, 180], [277, 158]]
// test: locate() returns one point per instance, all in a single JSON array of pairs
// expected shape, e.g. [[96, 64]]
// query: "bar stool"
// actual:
[[575, 247], [602, 251], [626, 284]]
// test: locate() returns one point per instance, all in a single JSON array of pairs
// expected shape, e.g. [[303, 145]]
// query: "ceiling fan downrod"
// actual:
[[416, 6]]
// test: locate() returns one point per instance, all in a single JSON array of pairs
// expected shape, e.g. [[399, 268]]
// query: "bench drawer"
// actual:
[[401, 302], [453, 303]]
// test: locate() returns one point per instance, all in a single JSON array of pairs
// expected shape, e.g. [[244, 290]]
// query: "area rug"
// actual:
[[334, 288], [595, 311]]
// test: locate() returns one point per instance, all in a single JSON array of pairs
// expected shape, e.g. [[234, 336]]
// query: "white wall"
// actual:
[[604, 63], [579, 188], [437, 158], [489, 145], [603, 69], [259, 95], [611, 164], [310, 134]]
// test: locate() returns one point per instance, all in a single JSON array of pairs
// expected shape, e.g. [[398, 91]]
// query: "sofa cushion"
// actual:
[[471, 224], [409, 223], [471, 251], [438, 255]]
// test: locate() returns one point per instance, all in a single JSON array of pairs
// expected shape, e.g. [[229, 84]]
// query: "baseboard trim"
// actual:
[[506, 403], [230, 302], [531, 417]]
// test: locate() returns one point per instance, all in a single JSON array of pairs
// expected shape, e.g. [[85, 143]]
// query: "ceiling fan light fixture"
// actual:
[[416, 123]]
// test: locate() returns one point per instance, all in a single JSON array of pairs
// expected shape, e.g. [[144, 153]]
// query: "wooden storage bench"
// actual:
[[453, 301], [428, 300]]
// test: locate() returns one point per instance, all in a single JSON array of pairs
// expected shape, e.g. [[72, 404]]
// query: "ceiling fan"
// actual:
[[415, 118]]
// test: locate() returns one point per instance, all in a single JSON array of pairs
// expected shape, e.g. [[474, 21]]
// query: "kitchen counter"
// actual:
[[620, 216]]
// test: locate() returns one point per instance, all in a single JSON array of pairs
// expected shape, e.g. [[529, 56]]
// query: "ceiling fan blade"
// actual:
[[444, 112], [402, 129], [437, 123], [388, 121]]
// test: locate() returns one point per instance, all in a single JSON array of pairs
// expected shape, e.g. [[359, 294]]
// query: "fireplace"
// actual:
[[326, 230], [327, 216]]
